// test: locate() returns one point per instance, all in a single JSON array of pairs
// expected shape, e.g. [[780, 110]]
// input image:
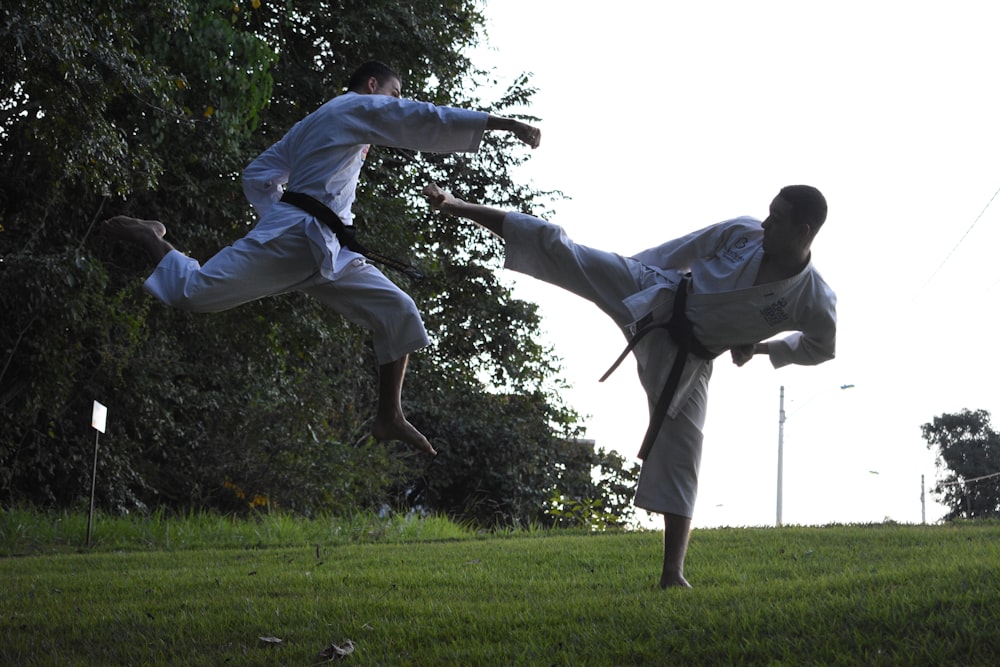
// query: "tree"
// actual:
[[90, 114], [968, 455], [120, 107]]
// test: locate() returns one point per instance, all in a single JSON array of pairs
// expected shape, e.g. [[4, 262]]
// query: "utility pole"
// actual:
[[781, 449], [923, 502], [781, 445]]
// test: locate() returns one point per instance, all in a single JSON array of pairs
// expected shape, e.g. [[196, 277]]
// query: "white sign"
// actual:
[[100, 416]]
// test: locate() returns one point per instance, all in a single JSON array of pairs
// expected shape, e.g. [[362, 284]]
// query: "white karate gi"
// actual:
[[726, 310], [289, 250]]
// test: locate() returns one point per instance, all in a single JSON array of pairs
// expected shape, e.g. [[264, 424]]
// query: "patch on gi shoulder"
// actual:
[[775, 313], [734, 253]]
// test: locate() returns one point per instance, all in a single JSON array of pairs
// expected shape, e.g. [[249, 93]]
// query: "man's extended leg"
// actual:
[[676, 531], [390, 423], [485, 216], [543, 251]]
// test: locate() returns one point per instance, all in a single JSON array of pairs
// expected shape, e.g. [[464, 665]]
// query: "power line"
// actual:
[[961, 240], [966, 481]]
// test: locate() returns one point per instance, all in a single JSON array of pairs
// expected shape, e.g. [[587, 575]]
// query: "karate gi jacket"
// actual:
[[726, 309], [322, 156]]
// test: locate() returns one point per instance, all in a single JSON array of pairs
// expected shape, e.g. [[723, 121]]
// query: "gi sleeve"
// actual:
[[264, 177], [400, 123], [816, 342]]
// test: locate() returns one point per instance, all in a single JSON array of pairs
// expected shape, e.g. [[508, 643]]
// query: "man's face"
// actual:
[[781, 233], [391, 87]]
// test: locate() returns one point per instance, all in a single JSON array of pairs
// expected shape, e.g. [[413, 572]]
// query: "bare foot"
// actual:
[[147, 233], [674, 581], [402, 430], [125, 228]]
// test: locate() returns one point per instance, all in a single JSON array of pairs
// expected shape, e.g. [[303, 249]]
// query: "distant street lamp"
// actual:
[[781, 446]]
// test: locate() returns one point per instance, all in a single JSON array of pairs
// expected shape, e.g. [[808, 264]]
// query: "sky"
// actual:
[[662, 117]]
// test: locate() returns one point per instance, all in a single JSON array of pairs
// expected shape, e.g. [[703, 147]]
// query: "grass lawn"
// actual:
[[205, 591]]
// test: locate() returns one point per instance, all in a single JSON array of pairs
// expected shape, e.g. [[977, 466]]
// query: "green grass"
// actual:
[[203, 590], [25, 532]]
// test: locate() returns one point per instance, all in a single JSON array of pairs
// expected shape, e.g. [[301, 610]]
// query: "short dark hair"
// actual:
[[808, 204], [372, 68]]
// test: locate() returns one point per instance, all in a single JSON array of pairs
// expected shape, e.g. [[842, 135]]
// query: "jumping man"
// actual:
[[289, 249]]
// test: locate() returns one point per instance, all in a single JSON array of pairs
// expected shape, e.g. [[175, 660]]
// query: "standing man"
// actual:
[[729, 286], [320, 159]]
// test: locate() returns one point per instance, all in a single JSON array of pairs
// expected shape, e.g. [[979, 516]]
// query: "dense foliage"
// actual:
[[968, 451], [152, 110]]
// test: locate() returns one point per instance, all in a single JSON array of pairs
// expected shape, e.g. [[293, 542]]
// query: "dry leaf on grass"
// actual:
[[334, 652]]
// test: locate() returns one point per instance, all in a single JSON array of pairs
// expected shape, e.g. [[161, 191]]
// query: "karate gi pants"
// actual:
[[668, 480], [250, 270]]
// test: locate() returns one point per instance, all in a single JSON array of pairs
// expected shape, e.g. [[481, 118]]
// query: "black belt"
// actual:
[[345, 234], [681, 331]]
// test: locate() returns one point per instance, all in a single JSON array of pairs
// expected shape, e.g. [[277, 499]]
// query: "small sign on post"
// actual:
[[98, 420]]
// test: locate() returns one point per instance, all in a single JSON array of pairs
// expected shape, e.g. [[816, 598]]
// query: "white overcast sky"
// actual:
[[661, 117]]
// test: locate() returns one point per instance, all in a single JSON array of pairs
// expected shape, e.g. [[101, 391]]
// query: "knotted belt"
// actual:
[[345, 233], [682, 332]]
